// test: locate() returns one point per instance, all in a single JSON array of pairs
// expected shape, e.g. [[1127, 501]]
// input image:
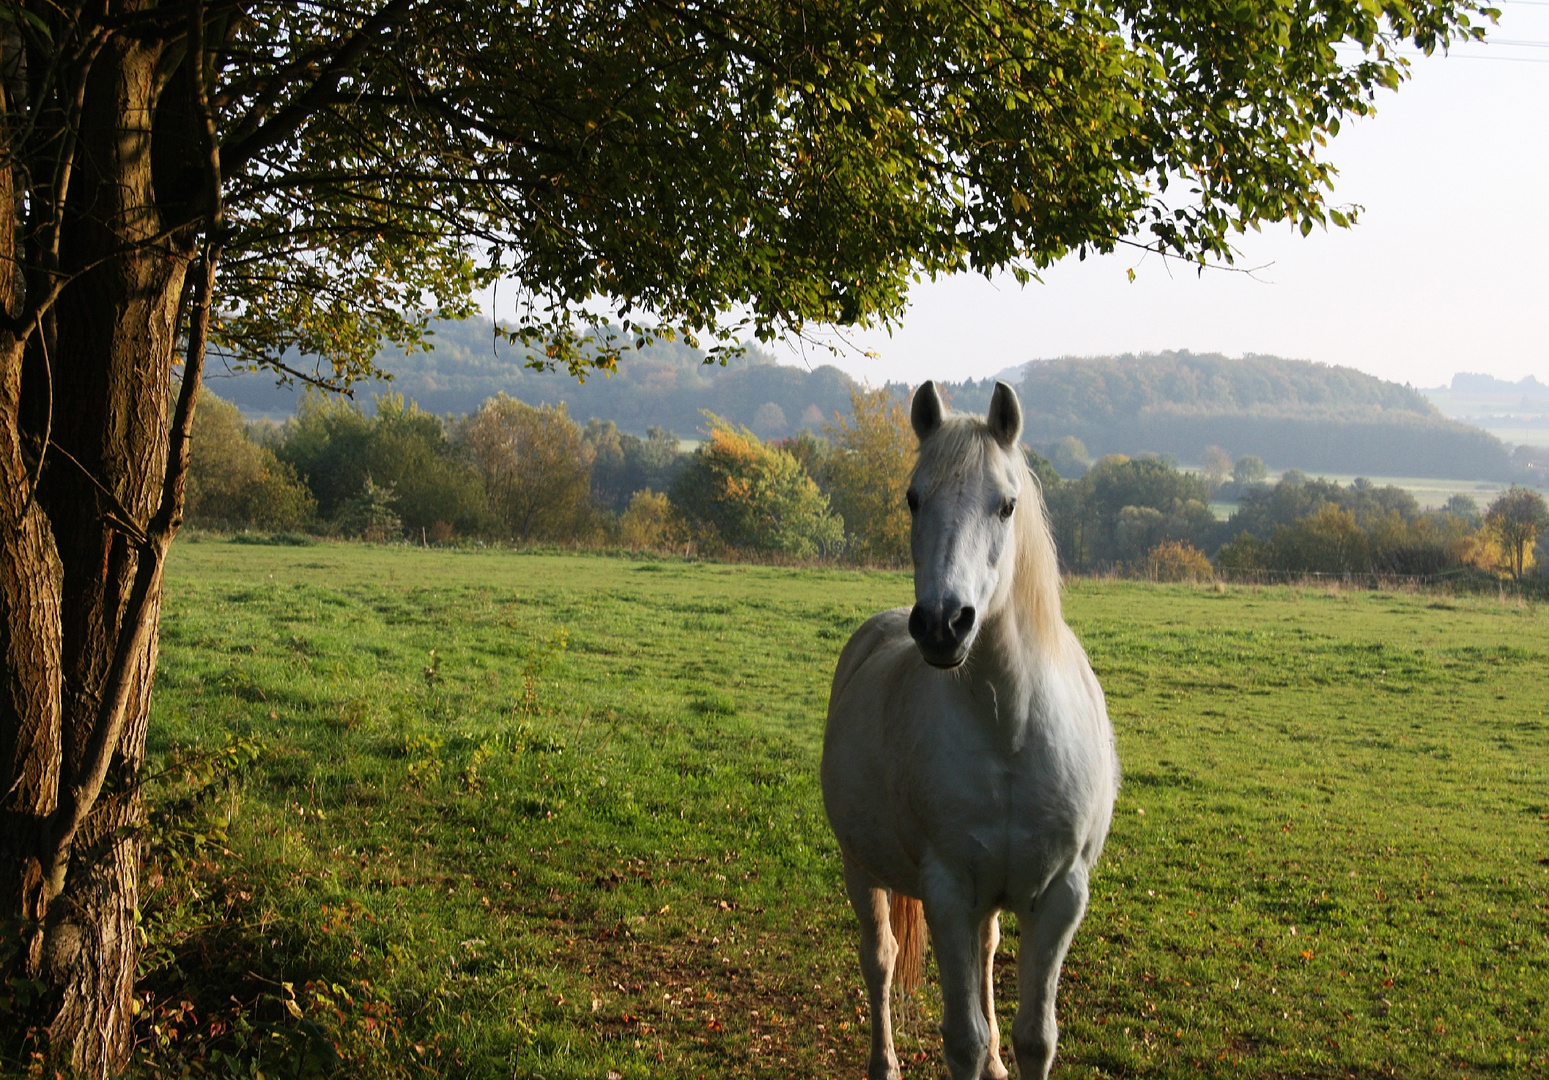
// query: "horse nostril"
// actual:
[[917, 623], [963, 622]]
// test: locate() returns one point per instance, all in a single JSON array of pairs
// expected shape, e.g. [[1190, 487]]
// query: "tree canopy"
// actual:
[[793, 162]]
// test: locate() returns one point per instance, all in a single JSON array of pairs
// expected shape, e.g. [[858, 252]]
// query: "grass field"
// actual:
[[557, 816]]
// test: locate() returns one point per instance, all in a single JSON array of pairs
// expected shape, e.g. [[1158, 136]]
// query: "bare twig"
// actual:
[[117, 515]]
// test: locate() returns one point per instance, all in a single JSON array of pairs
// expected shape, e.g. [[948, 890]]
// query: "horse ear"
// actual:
[[925, 412], [1005, 416]]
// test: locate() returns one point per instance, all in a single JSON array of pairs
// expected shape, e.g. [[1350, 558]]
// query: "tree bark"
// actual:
[[96, 371]]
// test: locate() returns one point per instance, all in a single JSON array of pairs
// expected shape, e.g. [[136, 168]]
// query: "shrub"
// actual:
[[1177, 560], [739, 493], [647, 523], [370, 515]]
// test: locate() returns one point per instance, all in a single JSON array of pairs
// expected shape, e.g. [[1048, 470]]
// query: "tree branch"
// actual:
[[287, 120]]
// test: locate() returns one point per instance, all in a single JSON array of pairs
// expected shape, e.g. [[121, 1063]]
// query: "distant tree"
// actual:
[[623, 464], [1416, 546], [1118, 492], [1069, 456], [813, 451], [1296, 496], [604, 447], [1372, 504], [769, 420], [1517, 516], [1217, 466], [234, 481], [335, 445], [654, 461], [1137, 530], [738, 493], [1048, 476], [1249, 470], [1328, 542], [536, 474], [867, 475], [1122, 507], [371, 514], [1246, 552], [1463, 507]]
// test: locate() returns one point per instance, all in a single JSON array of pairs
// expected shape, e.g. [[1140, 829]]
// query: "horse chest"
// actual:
[[1006, 809]]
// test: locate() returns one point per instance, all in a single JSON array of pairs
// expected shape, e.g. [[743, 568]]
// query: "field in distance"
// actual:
[[546, 815], [1430, 493]]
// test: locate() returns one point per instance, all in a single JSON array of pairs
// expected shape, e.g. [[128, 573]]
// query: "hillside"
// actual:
[[1291, 413], [1516, 412], [665, 385]]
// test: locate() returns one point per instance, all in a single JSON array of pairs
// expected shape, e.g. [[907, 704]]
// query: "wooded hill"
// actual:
[[1290, 413], [666, 385]]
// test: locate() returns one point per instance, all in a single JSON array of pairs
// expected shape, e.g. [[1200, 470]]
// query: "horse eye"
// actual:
[[1007, 508], [914, 502]]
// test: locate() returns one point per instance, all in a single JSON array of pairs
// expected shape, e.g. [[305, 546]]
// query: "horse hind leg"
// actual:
[[994, 1068], [1046, 933], [878, 951]]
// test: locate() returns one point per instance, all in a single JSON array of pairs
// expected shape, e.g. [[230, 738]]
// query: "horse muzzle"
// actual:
[[943, 632]]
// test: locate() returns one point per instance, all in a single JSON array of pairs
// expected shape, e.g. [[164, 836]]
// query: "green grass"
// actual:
[[523, 815]]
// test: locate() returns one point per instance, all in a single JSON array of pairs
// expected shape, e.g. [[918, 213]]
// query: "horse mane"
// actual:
[[964, 440], [1038, 566]]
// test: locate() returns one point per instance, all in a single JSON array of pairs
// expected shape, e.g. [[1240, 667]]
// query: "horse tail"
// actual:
[[907, 919]]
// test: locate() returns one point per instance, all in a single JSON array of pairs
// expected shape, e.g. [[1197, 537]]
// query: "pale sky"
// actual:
[[1448, 269]]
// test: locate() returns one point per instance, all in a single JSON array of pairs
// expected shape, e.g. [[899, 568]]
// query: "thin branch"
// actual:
[[287, 120], [312, 380], [117, 514], [48, 427]]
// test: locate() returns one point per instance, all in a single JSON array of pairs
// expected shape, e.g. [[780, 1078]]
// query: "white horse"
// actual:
[[968, 763]]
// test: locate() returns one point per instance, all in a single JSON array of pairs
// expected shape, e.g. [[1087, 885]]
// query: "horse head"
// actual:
[[963, 499]]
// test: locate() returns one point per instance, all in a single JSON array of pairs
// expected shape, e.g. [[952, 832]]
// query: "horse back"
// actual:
[[881, 628]]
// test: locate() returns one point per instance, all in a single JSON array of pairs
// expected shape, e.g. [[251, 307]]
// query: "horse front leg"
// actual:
[[958, 934], [1046, 933], [878, 951]]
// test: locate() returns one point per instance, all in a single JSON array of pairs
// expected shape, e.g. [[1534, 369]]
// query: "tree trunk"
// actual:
[[97, 371]]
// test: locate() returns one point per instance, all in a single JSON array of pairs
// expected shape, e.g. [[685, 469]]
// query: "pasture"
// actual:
[[489, 814]]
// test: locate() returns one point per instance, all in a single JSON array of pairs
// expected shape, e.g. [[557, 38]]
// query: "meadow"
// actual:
[[489, 814]]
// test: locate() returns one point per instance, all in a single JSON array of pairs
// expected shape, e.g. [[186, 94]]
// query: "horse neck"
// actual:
[[1024, 631]]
